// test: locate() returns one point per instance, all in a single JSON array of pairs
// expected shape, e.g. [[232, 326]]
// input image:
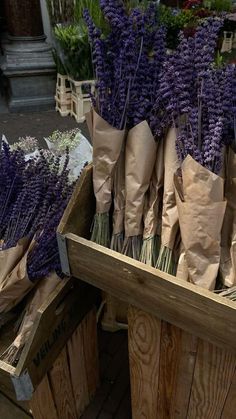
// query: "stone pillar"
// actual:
[[28, 65]]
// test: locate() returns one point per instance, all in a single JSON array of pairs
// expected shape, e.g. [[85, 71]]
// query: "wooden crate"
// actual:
[[182, 344], [71, 304]]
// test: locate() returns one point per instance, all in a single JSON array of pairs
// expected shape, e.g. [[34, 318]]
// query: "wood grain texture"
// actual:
[[144, 352], [90, 344], [76, 359], [229, 411], [83, 203], [177, 361], [184, 376], [59, 378], [182, 304], [42, 404], [213, 375]]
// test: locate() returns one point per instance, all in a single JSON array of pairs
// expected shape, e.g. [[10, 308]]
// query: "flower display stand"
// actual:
[[58, 372], [80, 99], [227, 44], [182, 346], [63, 95]]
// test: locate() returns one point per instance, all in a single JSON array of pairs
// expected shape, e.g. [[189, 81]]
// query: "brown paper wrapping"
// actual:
[[10, 257], [170, 222], [89, 121], [139, 163], [107, 145], [151, 215], [119, 195], [200, 221], [182, 268], [44, 288], [228, 237], [16, 285]]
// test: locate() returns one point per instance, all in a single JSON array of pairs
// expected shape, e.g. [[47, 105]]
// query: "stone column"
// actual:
[[28, 65]]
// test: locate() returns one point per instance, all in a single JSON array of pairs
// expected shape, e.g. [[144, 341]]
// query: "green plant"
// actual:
[[60, 11], [218, 5], [176, 20], [74, 50]]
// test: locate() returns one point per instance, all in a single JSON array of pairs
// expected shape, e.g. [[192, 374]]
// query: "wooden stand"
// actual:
[[182, 344], [175, 374], [70, 385], [63, 95]]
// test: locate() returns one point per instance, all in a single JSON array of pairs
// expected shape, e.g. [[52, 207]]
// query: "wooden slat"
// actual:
[[144, 351], [90, 344], [80, 212], [229, 411], [59, 377], [214, 370], [53, 328], [182, 304], [184, 377], [42, 403], [177, 360], [76, 360]]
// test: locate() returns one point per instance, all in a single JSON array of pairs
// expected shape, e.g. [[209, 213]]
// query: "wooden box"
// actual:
[[182, 344], [65, 310]]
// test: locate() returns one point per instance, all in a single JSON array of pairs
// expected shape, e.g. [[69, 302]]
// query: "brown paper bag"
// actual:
[[9, 258], [228, 236], [107, 146], [200, 220], [170, 222], [16, 285], [139, 163], [119, 204], [152, 210], [89, 121], [43, 289]]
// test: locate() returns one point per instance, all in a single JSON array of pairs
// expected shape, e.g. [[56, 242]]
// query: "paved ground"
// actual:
[[38, 124]]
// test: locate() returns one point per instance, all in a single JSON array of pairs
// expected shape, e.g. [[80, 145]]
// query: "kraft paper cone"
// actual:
[[119, 195], [228, 236], [16, 285], [107, 145], [139, 163], [43, 289], [200, 222], [10, 257], [89, 121], [170, 222], [151, 220], [182, 268]]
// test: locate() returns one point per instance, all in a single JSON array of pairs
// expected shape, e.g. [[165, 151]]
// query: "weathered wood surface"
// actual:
[[213, 375], [144, 349], [70, 384], [42, 403], [193, 309], [180, 376], [53, 327]]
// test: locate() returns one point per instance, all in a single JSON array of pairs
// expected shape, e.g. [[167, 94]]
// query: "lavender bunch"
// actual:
[[192, 96], [12, 166]]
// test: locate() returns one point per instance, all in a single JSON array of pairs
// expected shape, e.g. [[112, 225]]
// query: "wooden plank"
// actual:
[[177, 360], [42, 403], [8, 410], [144, 352], [229, 411], [90, 344], [76, 360], [186, 364], [53, 328], [79, 213], [182, 304], [59, 377], [214, 370]]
